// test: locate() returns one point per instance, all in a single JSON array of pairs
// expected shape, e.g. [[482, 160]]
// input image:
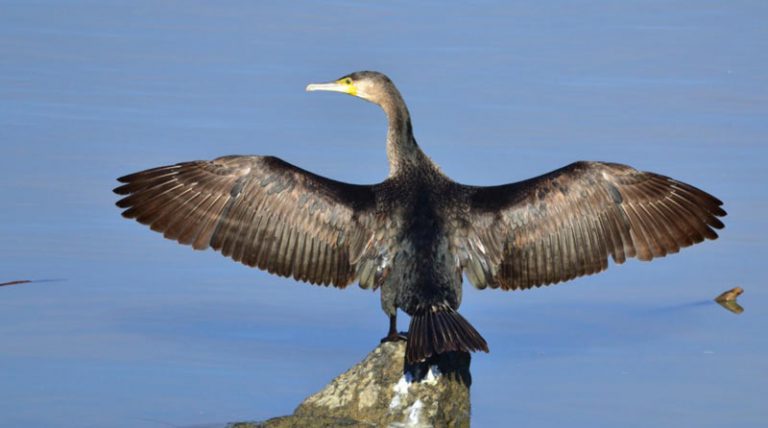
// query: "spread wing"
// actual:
[[565, 224], [260, 211]]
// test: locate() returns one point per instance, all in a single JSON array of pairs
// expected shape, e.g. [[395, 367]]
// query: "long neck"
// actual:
[[402, 151]]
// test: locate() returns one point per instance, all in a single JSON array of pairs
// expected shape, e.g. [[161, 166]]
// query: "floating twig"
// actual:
[[20, 281], [728, 300]]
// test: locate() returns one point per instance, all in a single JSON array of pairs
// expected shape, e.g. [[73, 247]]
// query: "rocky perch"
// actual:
[[381, 391]]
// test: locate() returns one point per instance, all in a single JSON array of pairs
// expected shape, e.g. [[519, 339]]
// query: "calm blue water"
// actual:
[[137, 331]]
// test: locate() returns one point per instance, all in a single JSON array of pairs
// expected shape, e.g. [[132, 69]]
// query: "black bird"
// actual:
[[413, 234]]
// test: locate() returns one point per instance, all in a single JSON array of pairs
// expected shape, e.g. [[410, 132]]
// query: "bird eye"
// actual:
[[348, 81]]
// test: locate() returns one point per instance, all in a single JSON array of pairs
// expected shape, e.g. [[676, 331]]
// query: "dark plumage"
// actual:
[[413, 234]]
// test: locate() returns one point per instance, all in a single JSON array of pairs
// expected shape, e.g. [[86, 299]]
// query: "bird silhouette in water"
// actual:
[[415, 233]]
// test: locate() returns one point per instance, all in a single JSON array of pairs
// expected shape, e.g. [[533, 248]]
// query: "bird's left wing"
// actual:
[[260, 211], [566, 223]]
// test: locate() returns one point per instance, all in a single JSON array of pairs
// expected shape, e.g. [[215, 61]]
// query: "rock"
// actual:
[[382, 391]]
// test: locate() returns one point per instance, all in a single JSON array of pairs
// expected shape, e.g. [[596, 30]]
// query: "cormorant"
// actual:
[[416, 232]]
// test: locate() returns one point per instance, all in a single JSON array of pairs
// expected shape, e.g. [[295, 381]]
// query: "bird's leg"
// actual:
[[393, 335]]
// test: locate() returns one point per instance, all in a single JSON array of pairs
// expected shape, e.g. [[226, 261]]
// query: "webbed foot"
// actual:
[[394, 337]]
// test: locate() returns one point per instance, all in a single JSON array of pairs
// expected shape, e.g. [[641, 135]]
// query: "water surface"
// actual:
[[133, 330]]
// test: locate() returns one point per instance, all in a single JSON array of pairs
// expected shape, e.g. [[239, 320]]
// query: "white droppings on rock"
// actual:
[[401, 391], [395, 403], [432, 375], [414, 414], [402, 385]]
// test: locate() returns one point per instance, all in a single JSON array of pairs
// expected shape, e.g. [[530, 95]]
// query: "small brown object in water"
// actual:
[[730, 295], [728, 300]]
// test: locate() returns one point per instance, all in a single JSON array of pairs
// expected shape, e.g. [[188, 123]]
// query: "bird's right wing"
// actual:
[[566, 223], [260, 211]]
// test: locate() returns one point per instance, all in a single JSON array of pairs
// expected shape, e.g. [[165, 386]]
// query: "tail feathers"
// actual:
[[440, 329]]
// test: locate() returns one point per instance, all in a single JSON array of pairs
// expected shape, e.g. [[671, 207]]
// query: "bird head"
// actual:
[[369, 85]]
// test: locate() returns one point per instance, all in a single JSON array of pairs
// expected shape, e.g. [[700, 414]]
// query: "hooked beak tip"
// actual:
[[321, 87], [329, 86]]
